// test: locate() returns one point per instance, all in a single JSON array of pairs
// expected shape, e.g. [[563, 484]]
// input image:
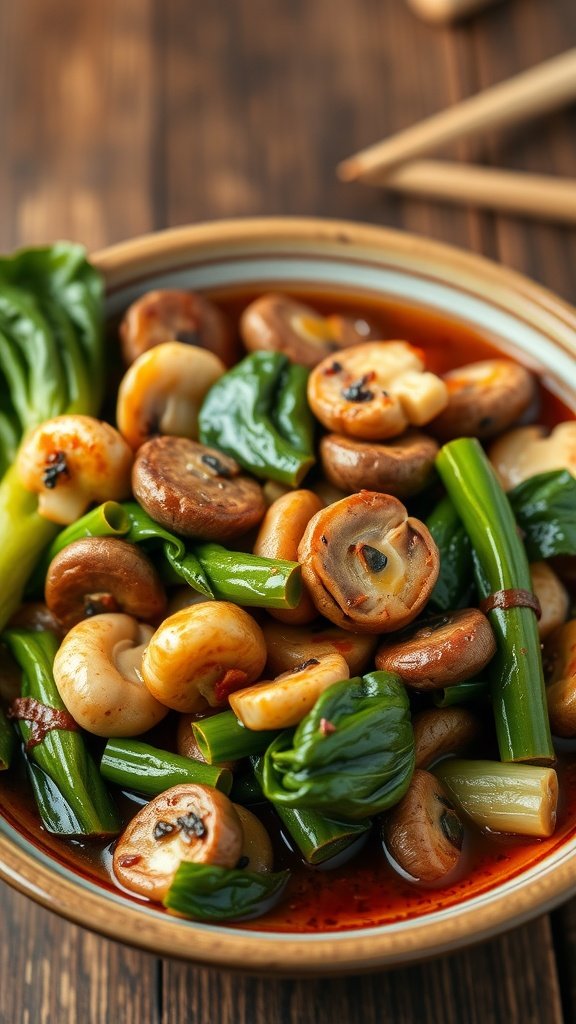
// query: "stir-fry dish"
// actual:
[[294, 615]]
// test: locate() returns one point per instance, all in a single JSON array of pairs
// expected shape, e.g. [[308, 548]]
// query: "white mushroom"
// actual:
[[527, 451], [283, 702]]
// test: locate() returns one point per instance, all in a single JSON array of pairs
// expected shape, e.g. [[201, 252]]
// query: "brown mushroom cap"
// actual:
[[368, 566], [442, 731], [290, 646], [279, 323], [423, 832], [443, 650], [560, 670], [175, 315], [279, 535], [484, 398], [103, 574], [195, 490], [402, 467], [257, 853]]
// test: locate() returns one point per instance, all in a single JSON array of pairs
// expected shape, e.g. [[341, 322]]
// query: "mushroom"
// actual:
[[375, 391], [71, 461], [97, 673], [280, 533], [560, 669], [186, 743], [185, 823], [402, 467], [442, 731], [443, 650], [284, 701], [290, 646], [282, 324], [484, 399], [552, 596], [102, 574], [527, 451], [202, 654], [36, 615], [194, 490], [423, 832], [368, 566], [257, 853], [174, 315], [162, 391]]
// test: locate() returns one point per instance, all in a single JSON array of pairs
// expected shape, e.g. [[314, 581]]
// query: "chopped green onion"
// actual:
[[461, 693], [518, 798], [318, 838], [249, 580], [223, 738], [145, 769]]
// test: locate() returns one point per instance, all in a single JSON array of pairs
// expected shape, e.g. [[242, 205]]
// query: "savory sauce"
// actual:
[[367, 891]]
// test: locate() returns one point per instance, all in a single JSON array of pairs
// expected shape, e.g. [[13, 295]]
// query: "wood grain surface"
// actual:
[[123, 116]]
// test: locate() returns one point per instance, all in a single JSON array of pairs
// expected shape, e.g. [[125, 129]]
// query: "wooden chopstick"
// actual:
[[533, 195], [530, 94]]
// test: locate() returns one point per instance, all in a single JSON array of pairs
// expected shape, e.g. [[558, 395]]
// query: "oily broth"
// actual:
[[367, 891]]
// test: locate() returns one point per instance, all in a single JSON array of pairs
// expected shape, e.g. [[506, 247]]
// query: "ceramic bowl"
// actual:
[[518, 317]]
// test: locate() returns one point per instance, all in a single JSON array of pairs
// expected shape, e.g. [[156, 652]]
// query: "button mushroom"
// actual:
[[375, 391], [560, 669], [282, 324], [442, 731], [402, 467], [202, 654], [368, 566], [174, 315], [71, 461], [162, 391], [423, 832], [290, 646], [279, 536], [257, 854], [527, 451], [194, 490], [97, 673], [185, 823], [102, 574], [552, 596], [441, 651], [484, 399], [286, 700]]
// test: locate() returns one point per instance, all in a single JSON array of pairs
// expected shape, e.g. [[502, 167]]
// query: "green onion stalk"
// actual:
[[516, 676], [51, 363], [223, 738], [461, 693], [7, 742], [145, 769]]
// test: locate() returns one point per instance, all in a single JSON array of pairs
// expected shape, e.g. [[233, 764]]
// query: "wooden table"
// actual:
[[124, 116]]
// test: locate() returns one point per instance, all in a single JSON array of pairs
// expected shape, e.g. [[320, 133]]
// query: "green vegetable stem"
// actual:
[[67, 785], [205, 892], [223, 738], [516, 677], [258, 414], [249, 580], [351, 757], [145, 769], [6, 742], [51, 362], [461, 693], [318, 838]]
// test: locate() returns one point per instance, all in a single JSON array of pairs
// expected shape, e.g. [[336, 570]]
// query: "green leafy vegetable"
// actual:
[[545, 510], [455, 584], [351, 757], [205, 892]]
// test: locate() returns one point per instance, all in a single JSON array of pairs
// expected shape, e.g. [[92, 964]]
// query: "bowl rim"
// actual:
[[277, 952]]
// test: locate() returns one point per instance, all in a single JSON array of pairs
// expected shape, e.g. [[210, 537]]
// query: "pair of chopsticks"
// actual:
[[394, 162]]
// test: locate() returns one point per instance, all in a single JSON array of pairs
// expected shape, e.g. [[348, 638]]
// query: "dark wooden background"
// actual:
[[123, 116]]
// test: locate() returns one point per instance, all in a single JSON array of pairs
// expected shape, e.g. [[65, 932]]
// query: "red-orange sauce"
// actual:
[[366, 892]]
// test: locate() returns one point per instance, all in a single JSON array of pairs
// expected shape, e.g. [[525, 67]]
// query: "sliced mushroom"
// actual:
[[442, 731], [195, 490], [284, 701], [423, 832], [527, 451], [102, 574], [553, 598], [402, 467], [174, 315], [280, 533], [202, 654], [443, 650], [560, 669], [484, 399], [97, 673], [186, 743], [375, 391], [290, 646], [257, 853], [368, 566], [282, 324], [71, 461], [185, 823], [162, 391]]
